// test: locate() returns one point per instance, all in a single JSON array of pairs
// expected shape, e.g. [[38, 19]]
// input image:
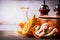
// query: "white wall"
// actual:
[[10, 12]]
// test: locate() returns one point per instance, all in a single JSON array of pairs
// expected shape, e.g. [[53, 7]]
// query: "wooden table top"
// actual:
[[12, 35]]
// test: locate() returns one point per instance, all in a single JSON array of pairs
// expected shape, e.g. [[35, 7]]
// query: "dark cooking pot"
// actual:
[[56, 20]]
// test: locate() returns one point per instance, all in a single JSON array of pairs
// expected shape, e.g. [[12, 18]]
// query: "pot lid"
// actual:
[[50, 17], [44, 6], [57, 7]]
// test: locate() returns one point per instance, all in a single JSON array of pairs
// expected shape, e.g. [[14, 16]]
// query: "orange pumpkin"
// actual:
[[22, 24], [19, 32]]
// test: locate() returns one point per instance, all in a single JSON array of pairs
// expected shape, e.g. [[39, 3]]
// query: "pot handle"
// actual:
[[27, 13]]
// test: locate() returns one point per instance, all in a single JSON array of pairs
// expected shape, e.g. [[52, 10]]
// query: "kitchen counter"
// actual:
[[9, 32], [12, 35]]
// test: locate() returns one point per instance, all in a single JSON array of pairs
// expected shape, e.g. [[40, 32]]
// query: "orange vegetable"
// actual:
[[22, 24], [19, 32]]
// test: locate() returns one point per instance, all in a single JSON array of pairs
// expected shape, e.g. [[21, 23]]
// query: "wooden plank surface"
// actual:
[[12, 35]]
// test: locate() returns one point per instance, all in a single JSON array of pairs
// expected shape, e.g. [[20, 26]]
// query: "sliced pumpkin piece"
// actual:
[[28, 25]]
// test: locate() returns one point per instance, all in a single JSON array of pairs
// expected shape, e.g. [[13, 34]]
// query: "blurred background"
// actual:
[[12, 12]]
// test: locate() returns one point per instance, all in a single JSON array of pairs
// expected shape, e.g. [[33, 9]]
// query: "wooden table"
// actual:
[[12, 35]]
